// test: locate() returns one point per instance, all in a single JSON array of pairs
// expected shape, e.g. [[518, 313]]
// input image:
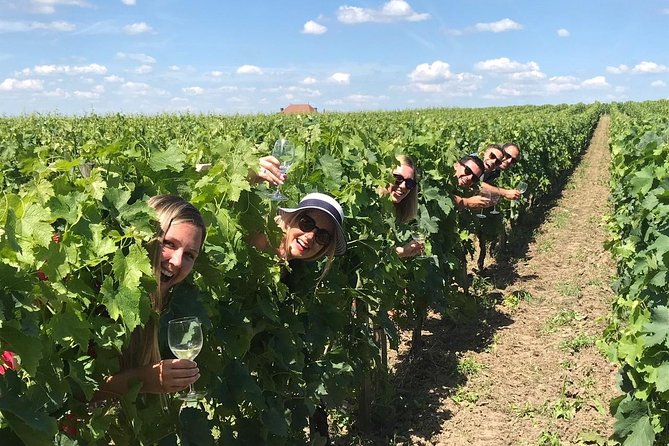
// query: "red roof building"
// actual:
[[299, 108]]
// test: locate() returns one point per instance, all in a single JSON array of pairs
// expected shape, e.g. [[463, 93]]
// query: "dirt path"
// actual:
[[529, 373]]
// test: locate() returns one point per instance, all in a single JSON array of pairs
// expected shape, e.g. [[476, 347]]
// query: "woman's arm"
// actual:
[[166, 376]]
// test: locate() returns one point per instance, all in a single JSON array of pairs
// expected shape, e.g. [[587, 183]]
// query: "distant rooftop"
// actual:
[[299, 108]]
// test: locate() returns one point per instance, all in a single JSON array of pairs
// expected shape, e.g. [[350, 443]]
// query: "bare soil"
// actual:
[[526, 370]]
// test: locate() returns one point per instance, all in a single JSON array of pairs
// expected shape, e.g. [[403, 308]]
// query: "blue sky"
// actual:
[[153, 56]]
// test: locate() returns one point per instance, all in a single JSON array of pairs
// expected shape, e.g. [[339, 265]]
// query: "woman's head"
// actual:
[[313, 229], [180, 239], [404, 189]]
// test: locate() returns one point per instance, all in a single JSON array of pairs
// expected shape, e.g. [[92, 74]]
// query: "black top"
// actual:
[[490, 177]]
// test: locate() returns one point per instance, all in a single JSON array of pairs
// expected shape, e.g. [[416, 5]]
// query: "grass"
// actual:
[[561, 319], [548, 438], [464, 396], [545, 246], [569, 289], [470, 366], [561, 218], [578, 343]]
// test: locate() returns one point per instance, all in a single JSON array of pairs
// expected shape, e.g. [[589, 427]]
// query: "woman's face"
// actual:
[[179, 249], [399, 191], [304, 240]]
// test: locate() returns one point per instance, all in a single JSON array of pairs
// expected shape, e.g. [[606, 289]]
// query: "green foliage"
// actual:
[[639, 241], [75, 236]]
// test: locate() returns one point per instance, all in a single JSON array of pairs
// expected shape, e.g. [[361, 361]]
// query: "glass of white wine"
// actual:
[[521, 187], [284, 151], [485, 194], [494, 197], [184, 336], [418, 236]]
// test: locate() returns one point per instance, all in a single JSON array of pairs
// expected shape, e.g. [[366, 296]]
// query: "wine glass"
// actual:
[[485, 194], [521, 187], [494, 197], [284, 151], [184, 336], [418, 235]]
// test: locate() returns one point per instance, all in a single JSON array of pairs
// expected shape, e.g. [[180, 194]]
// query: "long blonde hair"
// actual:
[[144, 348], [407, 209]]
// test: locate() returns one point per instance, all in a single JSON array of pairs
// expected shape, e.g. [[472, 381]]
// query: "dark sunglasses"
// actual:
[[307, 224], [468, 172], [498, 161], [507, 155], [410, 183]]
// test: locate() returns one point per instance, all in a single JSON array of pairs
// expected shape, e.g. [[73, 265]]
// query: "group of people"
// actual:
[[312, 230]]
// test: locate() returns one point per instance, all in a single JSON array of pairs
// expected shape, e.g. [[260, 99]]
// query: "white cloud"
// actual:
[[86, 94], [193, 90], [57, 93], [392, 11], [665, 11], [506, 65], [617, 70], [129, 2], [136, 88], [499, 26], [174, 68], [658, 84], [45, 70], [528, 75], [341, 78], [312, 27], [649, 67], [11, 84], [506, 90], [113, 79], [49, 6], [138, 57], [15, 27], [137, 28], [436, 71], [363, 98], [309, 80], [143, 69], [217, 74], [597, 81], [249, 69], [563, 32]]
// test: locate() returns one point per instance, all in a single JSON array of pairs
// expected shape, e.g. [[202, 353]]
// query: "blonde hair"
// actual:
[[407, 209], [170, 209]]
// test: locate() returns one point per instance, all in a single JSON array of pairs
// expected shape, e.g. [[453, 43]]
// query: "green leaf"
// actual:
[[642, 433], [195, 428], [68, 325], [662, 383], [30, 423], [129, 269], [130, 305], [659, 327], [172, 158]]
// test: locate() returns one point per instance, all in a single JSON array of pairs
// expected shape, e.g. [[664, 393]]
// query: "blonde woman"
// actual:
[[403, 193], [178, 243]]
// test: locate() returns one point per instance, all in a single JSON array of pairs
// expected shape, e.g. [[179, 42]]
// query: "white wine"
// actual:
[[186, 353]]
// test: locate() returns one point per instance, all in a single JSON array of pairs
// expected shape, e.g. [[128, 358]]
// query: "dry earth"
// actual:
[[526, 370]]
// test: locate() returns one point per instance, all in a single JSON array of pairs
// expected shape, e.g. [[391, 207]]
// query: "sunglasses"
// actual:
[[410, 183], [498, 161], [507, 155], [307, 224], [468, 172]]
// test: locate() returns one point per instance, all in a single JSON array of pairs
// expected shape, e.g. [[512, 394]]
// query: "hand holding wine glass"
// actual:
[[485, 194], [185, 340], [284, 151]]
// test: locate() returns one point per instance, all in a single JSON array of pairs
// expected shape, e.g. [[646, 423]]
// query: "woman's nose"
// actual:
[[176, 257]]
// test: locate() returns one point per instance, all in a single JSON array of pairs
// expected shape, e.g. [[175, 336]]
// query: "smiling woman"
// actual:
[[180, 237]]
